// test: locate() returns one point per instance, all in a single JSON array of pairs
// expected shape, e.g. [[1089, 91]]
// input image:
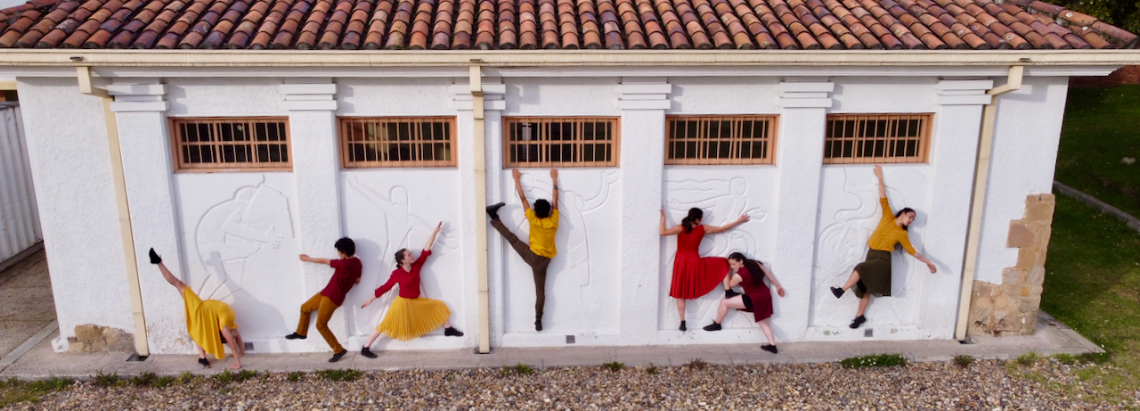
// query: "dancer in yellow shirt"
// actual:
[[873, 276], [211, 323]]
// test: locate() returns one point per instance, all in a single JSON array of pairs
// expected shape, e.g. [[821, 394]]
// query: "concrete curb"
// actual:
[[21, 256], [1132, 222], [28, 345]]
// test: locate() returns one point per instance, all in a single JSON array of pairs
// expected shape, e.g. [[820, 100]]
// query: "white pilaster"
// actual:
[[471, 215], [953, 154], [643, 102], [799, 158], [316, 169], [140, 111]]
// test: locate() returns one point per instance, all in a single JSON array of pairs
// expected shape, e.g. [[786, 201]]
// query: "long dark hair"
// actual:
[[906, 210], [400, 256], [754, 270], [694, 215]]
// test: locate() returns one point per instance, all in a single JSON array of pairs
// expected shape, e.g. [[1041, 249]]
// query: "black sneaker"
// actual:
[[858, 321], [154, 258], [452, 332], [837, 291], [336, 357], [537, 326], [204, 362], [769, 348], [294, 336], [493, 210], [367, 353], [715, 326], [682, 327]]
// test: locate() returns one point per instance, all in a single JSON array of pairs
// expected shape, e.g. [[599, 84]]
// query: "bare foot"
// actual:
[[235, 366]]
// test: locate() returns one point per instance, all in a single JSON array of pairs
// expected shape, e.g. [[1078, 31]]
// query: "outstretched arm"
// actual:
[[431, 240], [554, 181], [307, 259], [772, 279], [882, 185], [671, 231], [518, 187], [930, 265], [714, 229]]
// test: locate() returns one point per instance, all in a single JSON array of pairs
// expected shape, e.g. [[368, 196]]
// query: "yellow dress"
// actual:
[[204, 321], [410, 318]]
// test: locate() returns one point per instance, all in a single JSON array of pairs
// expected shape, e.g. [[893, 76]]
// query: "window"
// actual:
[[876, 138], [397, 142], [560, 142], [231, 144], [709, 140]]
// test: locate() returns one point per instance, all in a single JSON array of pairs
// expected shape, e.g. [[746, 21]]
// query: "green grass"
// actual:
[[106, 380], [1027, 359], [295, 376], [1101, 129], [1092, 284], [14, 391], [519, 369], [877, 360], [143, 380], [614, 366], [697, 363], [963, 360], [651, 370], [340, 375]]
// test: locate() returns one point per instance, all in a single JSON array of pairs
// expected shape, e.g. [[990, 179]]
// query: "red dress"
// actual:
[[694, 276], [760, 294]]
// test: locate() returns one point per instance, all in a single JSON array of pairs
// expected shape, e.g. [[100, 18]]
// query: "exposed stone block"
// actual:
[[1019, 235], [87, 333], [93, 338]]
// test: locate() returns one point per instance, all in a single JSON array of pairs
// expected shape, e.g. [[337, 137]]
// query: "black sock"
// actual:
[[154, 258]]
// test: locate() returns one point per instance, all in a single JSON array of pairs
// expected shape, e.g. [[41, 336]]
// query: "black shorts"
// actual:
[[747, 302]]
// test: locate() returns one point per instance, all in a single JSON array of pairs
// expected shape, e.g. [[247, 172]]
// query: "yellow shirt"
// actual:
[[542, 233], [204, 320], [888, 233]]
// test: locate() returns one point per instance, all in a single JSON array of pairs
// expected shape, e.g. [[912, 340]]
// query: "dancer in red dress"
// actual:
[[757, 297], [694, 276]]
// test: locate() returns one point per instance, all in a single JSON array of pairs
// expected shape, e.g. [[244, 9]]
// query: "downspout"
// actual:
[[978, 200], [479, 145], [125, 230]]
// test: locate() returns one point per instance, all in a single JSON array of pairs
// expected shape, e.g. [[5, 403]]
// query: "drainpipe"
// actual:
[[125, 230], [479, 145], [978, 200]]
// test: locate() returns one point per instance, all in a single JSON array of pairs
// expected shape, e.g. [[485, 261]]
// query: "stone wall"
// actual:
[[1010, 308], [93, 338]]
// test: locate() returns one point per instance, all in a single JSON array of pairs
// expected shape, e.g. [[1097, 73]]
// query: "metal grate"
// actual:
[[877, 138], [397, 142], [560, 141], [231, 144], [709, 140]]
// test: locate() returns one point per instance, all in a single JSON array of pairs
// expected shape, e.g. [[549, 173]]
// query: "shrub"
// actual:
[[878, 360], [106, 380], [614, 366], [963, 360]]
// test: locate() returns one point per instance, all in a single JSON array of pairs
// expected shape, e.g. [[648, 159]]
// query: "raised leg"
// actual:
[[854, 279], [734, 302], [308, 307], [170, 278]]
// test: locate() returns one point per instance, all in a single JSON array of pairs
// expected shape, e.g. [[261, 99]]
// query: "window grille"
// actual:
[[397, 142], [707, 140], [231, 144], [877, 138], [560, 141]]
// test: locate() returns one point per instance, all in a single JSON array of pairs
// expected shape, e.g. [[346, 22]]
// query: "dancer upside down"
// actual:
[[873, 276], [410, 316], [210, 323], [757, 297], [694, 276]]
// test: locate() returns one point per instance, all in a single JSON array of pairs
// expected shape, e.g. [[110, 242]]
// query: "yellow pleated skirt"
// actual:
[[411, 318]]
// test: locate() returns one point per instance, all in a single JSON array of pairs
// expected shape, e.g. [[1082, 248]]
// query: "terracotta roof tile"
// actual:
[[551, 24]]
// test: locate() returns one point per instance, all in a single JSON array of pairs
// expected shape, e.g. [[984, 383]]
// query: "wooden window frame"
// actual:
[[176, 146], [770, 139], [615, 141], [924, 139], [345, 152]]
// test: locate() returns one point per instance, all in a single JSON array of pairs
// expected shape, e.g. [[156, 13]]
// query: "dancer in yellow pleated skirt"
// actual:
[[410, 316], [211, 323]]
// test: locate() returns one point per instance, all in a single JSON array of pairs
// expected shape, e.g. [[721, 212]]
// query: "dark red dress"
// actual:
[[760, 294], [694, 276]]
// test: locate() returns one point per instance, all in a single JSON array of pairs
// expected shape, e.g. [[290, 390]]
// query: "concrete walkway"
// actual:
[[27, 305], [1051, 338]]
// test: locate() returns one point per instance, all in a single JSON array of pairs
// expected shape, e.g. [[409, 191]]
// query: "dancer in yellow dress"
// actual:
[[410, 315], [211, 323]]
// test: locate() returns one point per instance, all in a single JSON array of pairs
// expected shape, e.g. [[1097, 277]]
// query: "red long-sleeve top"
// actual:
[[409, 282]]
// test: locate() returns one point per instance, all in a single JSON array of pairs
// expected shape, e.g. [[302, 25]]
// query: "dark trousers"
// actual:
[[538, 264]]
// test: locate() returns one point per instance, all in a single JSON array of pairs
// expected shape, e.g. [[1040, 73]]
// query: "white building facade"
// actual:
[[235, 235]]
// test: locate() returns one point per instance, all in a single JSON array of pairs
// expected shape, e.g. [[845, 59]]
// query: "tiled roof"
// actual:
[[554, 24]]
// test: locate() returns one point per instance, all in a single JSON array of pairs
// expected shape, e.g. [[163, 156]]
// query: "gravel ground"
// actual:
[[984, 385]]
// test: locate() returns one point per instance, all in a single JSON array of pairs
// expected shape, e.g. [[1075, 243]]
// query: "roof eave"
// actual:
[[560, 58]]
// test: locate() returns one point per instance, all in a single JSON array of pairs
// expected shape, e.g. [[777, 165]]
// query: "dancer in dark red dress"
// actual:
[[694, 276], [757, 297]]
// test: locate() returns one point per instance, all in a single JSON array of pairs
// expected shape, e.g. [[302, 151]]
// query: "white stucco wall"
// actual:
[[236, 235], [71, 168]]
